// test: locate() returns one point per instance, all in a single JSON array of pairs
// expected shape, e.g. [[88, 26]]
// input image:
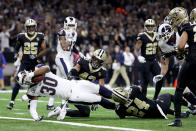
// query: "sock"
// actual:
[[158, 89], [190, 97], [15, 91], [107, 104], [51, 101], [103, 91], [33, 107]]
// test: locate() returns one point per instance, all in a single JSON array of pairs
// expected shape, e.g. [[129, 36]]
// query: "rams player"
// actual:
[[33, 47], [186, 75], [64, 59], [87, 70], [74, 91], [147, 43]]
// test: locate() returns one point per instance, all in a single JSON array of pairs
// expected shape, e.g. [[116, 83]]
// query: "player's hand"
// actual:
[[40, 118], [94, 107], [157, 78], [141, 59], [33, 56]]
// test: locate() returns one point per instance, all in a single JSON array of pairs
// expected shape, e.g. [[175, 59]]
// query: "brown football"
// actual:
[[37, 79]]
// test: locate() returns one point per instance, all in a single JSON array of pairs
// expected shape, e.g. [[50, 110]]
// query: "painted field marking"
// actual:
[[78, 124]]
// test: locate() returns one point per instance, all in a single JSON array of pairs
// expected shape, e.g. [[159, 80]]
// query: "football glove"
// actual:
[[157, 78], [141, 59]]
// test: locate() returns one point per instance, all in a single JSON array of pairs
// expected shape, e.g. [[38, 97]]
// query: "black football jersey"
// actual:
[[149, 46], [88, 73], [140, 106], [30, 46]]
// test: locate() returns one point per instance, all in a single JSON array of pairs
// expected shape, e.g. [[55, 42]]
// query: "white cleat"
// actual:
[[55, 112], [62, 114], [25, 98]]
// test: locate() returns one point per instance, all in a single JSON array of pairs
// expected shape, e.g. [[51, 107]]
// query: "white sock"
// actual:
[[33, 107], [51, 101]]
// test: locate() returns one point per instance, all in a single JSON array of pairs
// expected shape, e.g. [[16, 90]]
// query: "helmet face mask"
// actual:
[[149, 26], [70, 23], [98, 58], [30, 26]]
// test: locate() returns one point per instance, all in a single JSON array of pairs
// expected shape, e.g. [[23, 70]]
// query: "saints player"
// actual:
[[33, 48], [187, 72], [67, 37], [147, 43], [87, 70], [140, 106], [74, 91]]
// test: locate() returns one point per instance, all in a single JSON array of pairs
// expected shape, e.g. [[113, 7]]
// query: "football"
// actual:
[[37, 79]]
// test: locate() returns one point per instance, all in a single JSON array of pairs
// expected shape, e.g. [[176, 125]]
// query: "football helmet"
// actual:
[[28, 24], [177, 16], [150, 23], [165, 31], [20, 78], [193, 16], [98, 58], [70, 23]]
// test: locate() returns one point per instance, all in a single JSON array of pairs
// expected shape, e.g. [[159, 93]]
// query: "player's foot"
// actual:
[[50, 107], [185, 114], [119, 112], [3, 89], [10, 106], [55, 112], [176, 123], [192, 110], [62, 114]]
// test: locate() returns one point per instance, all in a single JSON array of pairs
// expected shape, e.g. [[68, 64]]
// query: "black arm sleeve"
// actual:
[[17, 45]]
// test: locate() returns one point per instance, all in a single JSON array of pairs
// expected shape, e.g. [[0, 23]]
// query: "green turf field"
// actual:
[[105, 119]]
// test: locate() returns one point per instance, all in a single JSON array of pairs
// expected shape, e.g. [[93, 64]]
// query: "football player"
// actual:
[[140, 106], [187, 72], [74, 91], [87, 70], [147, 43], [33, 48], [167, 43], [64, 58]]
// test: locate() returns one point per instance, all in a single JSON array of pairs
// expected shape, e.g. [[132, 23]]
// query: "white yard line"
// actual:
[[78, 124]]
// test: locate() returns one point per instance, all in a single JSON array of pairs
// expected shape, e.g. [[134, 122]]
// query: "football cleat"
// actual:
[[55, 112], [40, 118], [62, 114], [176, 123], [50, 107], [10, 106]]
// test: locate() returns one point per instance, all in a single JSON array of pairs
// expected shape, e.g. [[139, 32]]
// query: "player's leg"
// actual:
[[145, 77], [156, 71], [83, 111], [183, 80]]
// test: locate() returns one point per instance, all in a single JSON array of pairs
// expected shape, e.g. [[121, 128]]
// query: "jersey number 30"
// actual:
[[49, 86]]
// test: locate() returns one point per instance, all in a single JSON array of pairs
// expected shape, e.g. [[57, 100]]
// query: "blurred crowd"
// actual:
[[101, 23]]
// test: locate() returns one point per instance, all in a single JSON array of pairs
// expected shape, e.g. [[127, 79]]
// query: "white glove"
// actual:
[[157, 78], [141, 59]]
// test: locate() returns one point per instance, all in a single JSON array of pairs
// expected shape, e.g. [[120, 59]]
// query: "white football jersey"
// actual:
[[52, 85], [70, 35]]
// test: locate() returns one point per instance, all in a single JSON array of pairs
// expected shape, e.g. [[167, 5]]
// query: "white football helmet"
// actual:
[[29, 23], [70, 23], [21, 79], [150, 22], [165, 31]]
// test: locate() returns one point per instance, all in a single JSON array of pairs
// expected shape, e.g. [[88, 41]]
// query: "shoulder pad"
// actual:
[[40, 33], [140, 35]]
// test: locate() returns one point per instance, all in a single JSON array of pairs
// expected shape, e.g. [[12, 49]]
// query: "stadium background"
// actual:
[[101, 24]]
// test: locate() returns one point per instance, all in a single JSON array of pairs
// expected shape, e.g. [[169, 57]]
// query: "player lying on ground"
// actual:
[[140, 106], [42, 82]]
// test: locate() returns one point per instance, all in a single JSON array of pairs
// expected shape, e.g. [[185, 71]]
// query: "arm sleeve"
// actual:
[[17, 45]]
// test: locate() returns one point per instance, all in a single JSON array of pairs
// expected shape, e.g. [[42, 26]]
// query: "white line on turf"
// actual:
[[78, 124]]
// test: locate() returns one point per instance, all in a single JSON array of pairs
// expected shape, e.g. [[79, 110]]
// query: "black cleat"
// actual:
[[185, 114], [50, 107], [176, 123], [10, 106]]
